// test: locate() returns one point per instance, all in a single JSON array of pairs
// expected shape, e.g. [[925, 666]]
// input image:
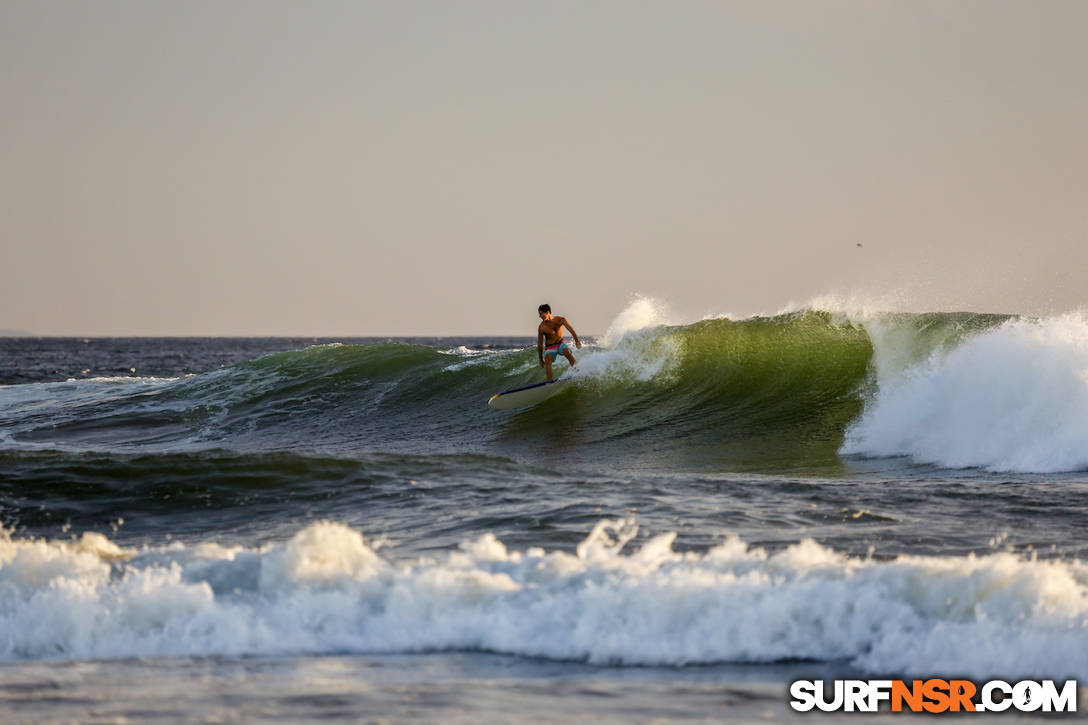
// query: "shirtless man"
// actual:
[[549, 339]]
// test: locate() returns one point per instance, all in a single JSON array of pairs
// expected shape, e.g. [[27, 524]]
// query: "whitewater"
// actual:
[[712, 509], [326, 590]]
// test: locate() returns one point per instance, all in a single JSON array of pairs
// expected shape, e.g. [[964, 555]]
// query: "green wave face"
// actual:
[[745, 394]]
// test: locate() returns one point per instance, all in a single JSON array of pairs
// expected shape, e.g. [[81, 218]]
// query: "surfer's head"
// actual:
[[544, 309]]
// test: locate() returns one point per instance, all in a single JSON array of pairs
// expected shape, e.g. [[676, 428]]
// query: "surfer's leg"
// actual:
[[548, 366], [567, 354]]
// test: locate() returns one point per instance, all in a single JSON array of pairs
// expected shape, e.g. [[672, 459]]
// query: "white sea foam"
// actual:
[[32, 397], [1012, 398], [470, 357], [465, 351], [633, 348], [327, 590]]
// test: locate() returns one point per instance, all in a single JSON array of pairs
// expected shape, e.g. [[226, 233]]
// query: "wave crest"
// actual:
[[1013, 397]]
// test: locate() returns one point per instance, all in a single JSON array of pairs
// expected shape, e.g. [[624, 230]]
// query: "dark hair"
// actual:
[[544, 308]]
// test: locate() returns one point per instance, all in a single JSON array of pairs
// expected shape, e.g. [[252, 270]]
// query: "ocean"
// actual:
[[297, 529]]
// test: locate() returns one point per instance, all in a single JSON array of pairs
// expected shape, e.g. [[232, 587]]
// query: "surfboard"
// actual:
[[529, 395]]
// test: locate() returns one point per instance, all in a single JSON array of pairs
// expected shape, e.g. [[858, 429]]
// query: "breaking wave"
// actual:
[[328, 589], [949, 389]]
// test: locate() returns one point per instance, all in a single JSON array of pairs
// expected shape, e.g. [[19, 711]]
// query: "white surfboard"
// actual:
[[530, 395]]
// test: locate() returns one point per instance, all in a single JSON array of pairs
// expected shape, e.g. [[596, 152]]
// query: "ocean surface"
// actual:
[[285, 530]]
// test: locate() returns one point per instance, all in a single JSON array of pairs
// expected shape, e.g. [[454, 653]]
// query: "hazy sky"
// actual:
[[442, 167]]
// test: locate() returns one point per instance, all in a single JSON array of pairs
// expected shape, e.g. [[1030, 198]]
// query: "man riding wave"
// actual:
[[549, 339]]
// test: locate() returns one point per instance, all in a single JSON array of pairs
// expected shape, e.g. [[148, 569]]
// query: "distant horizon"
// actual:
[[5, 335], [857, 314]]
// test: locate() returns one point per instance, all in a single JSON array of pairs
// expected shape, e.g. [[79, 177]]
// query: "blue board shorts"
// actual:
[[557, 349]]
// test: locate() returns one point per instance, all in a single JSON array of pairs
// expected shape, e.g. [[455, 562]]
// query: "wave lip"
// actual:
[[1010, 398], [328, 589]]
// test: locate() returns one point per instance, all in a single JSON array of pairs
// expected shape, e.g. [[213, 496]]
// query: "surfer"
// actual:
[[549, 339]]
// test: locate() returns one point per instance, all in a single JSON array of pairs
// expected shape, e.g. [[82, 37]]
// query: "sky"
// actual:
[[441, 167]]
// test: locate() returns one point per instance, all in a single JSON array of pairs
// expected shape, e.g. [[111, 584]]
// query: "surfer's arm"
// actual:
[[540, 345], [577, 342]]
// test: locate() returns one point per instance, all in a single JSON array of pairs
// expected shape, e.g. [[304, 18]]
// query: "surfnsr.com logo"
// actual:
[[933, 696]]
